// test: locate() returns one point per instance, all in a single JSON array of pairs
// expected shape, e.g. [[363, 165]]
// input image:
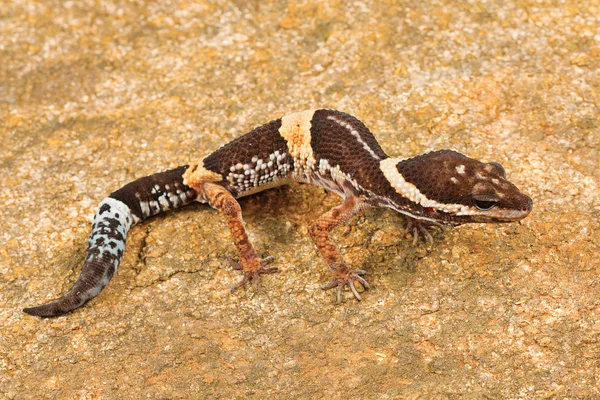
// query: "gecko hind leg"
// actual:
[[250, 264], [319, 232]]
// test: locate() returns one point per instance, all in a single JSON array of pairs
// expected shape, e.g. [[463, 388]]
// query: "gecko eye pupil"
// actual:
[[484, 205]]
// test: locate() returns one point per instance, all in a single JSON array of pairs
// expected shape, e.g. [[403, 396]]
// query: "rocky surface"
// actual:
[[95, 94]]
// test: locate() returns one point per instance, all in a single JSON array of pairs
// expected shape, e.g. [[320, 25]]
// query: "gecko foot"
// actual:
[[347, 280], [419, 228], [251, 275]]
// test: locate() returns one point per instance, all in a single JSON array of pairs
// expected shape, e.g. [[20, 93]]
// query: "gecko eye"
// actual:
[[484, 196], [485, 204], [498, 167]]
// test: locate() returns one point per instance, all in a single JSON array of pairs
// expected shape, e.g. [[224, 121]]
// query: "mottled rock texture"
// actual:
[[94, 94]]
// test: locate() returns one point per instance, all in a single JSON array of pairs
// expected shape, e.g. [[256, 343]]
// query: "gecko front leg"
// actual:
[[251, 265], [319, 232]]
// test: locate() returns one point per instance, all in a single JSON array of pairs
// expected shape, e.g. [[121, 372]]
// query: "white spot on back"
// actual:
[[460, 169]]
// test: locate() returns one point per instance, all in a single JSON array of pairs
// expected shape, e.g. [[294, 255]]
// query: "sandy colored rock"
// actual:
[[96, 94]]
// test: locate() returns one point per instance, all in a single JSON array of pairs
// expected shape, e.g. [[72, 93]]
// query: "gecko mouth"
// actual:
[[509, 215]]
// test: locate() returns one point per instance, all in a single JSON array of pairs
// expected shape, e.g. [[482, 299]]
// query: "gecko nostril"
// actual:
[[528, 206]]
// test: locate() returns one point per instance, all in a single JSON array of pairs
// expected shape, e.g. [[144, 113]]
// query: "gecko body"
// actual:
[[325, 148]]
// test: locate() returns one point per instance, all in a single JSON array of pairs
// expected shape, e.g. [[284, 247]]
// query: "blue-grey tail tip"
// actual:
[[49, 310]]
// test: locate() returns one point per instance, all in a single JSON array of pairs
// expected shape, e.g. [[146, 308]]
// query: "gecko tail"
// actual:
[[116, 214], [105, 249]]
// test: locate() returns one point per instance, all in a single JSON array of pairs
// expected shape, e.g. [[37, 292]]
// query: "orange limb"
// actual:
[[251, 265], [319, 232]]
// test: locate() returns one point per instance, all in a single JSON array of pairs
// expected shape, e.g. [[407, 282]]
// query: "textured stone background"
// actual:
[[94, 94]]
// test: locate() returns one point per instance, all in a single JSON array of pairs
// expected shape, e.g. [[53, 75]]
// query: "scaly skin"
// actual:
[[325, 148]]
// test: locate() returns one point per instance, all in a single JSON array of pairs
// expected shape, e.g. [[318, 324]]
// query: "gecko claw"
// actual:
[[348, 280], [253, 276]]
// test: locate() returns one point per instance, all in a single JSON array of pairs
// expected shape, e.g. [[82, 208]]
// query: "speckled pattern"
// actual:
[[252, 160], [96, 94], [105, 250], [156, 193], [134, 202]]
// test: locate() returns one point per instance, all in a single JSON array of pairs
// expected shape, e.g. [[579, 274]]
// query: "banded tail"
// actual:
[[116, 214]]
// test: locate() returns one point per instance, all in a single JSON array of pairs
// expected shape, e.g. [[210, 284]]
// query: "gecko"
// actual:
[[326, 148]]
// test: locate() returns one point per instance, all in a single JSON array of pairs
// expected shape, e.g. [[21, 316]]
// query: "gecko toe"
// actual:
[[354, 292], [251, 276], [234, 264], [348, 280], [363, 282], [241, 283], [268, 260], [422, 229]]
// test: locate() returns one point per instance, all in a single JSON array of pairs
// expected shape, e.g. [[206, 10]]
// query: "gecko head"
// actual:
[[450, 188]]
